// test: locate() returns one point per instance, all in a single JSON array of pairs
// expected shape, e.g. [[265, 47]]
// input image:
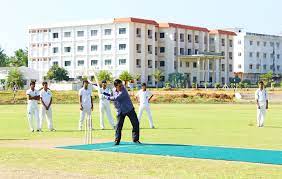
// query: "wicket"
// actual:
[[88, 130]]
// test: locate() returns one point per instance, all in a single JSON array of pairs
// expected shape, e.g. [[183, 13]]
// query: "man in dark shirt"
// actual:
[[124, 106]]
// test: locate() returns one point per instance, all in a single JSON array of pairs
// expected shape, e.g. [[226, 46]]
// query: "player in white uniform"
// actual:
[[32, 107], [261, 97], [46, 110], [144, 97], [104, 105], [85, 102]]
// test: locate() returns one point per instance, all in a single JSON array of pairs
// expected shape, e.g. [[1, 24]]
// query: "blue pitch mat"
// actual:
[[189, 151]]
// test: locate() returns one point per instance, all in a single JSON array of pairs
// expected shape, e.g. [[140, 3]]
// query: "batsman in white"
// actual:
[[104, 105], [86, 103], [144, 97], [32, 107], [46, 110], [261, 97]]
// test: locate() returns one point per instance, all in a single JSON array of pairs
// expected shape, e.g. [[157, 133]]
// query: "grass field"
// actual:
[[233, 125]]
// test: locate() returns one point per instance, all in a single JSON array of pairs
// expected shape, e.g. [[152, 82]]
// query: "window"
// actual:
[[264, 55], [150, 34], [138, 48], [278, 67], [67, 63], [264, 67], [80, 33], [162, 35], [94, 62], [67, 34], [277, 44], [138, 63], [251, 66], [122, 30], [180, 64], [222, 67], [211, 40], [108, 47], [181, 51], [205, 40], [162, 63], [67, 49], [278, 56], [55, 35], [271, 67], [174, 36], [55, 63], [239, 66], [271, 55], [150, 49], [108, 31], [150, 65], [94, 32], [156, 50], [264, 44], [222, 53], [222, 80], [80, 48], [55, 50], [223, 42], [251, 42], [196, 51], [196, 39], [156, 64], [181, 36], [187, 64], [122, 62], [108, 62], [257, 54], [149, 78], [80, 63], [250, 54], [175, 51], [138, 32], [271, 44], [122, 46], [94, 48], [194, 64], [230, 55], [162, 49], [258, 66], [258, 43], [156, 36], [230, 43], [189, 51], [230, 68], [189, 38], [194, 79]]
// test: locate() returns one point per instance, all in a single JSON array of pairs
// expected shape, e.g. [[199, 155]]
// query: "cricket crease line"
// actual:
[[114, 147]]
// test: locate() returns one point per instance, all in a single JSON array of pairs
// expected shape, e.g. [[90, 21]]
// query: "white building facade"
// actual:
[[256, 54], [138, 46]]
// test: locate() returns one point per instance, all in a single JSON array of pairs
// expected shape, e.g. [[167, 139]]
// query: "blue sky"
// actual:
[[254, 15]]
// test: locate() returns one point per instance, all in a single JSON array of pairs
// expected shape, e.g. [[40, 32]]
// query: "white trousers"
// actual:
[[261, 115], [148, 110], [83, 113], [33, 115], [46, 114], [105, 107]]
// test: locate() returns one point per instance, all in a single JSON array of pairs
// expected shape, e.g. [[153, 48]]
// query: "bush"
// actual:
[[193, 85], [217, 85]]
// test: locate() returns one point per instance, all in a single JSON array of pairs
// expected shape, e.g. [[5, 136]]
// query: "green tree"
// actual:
[[15, 77], [137, 77], [57, 73], [158, 75], [4, 60], [20, 58], [105, 75], [125, 76], [267, 77], [176, 79]]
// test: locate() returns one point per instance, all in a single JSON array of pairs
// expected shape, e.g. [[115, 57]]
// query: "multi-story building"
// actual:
[[137, 45], [255, 54]]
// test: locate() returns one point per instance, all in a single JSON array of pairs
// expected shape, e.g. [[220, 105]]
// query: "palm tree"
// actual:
[[105, 75], [15, 77], [125, 76], [158, 75]]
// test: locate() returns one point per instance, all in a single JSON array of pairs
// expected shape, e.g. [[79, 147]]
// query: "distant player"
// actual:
[[124, 108], [85, 102], [261, 97], [32, 107], [144, 96], [46, 110], [104, 105]]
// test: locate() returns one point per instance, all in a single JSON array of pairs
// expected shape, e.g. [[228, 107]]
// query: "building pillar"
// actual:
[[214, 71], [208, 69], [198, 70]]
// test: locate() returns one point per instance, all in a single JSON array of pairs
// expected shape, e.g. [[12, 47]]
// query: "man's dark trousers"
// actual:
[[134, 122]]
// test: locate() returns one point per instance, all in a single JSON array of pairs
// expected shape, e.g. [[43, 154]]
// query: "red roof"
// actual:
[[224, 32], [137, 20], [166, 25]]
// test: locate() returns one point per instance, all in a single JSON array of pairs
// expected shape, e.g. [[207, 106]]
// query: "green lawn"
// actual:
[[204, 124]]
